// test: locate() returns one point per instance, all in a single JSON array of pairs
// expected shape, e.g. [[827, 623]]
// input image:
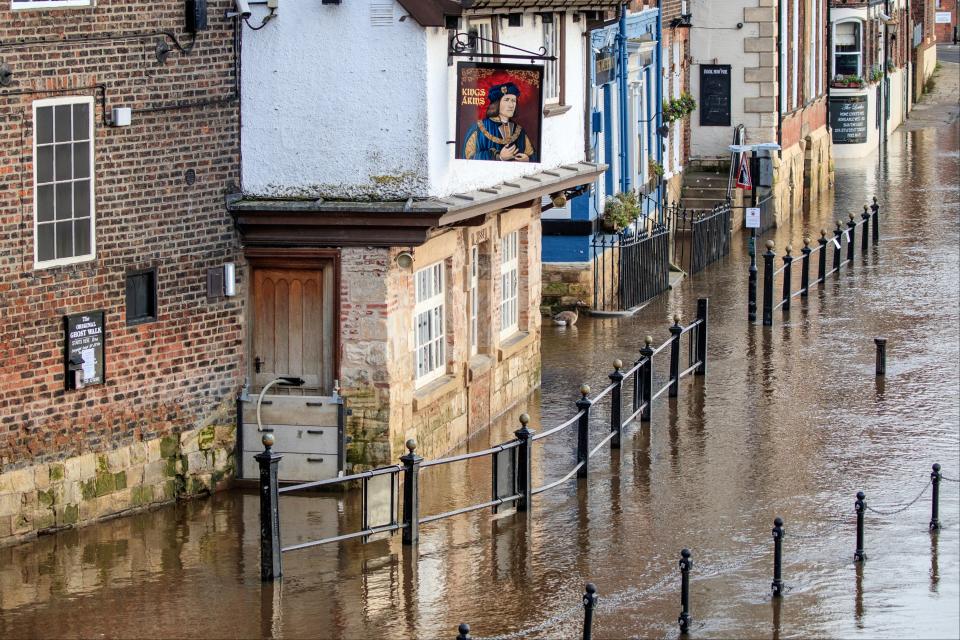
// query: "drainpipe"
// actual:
[[886, 86], [626, 179], [659, 109], [781, 93]]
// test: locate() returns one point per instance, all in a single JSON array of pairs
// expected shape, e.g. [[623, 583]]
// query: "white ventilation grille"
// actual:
[[381, 13]]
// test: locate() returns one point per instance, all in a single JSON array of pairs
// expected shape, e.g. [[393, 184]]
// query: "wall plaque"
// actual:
[[83, 349], [848, 118], [714, 95]]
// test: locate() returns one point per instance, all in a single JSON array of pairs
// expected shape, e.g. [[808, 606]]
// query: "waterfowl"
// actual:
[[568, 318]]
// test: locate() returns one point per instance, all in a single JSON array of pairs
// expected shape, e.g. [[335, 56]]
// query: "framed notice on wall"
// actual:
[[848, 119], [714, 95], [83, 351]]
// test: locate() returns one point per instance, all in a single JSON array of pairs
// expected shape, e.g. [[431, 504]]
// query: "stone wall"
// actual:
[[566, 283]]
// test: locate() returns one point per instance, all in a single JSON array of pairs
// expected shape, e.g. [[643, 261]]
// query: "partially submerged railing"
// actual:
[[708, 231], [511, 461], [739, 135]]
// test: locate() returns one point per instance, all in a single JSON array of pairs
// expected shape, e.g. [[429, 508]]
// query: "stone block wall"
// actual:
[[566, 283]]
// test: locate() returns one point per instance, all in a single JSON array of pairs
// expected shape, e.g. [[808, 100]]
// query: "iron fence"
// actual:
[[510, 462], [700, 237], [629, 267]]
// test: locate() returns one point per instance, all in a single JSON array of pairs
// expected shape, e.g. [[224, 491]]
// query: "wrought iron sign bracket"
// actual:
[[462, 45]]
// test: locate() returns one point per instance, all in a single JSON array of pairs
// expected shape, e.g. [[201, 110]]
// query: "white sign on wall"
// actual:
[[753, 218], [944, 17]]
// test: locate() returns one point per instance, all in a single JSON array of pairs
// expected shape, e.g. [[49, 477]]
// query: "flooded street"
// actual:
[[788, 421]]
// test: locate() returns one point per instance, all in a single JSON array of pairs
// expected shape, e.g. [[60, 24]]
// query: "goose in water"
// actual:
[[569, 318]]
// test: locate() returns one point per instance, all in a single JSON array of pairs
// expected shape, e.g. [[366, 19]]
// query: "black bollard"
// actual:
[[463, 632], [704, 318], [822, 258], [675, 332], [685, 565], [861, 506], [805, 268], [881, 355], [616, 404], [525, 465], [271, 567], [837, 243], [589, 604], [876, 221], [851, 238], [787, 278], [646, 380], [935, 506], [865, 238], [411, 493], [768, 284], [583, 431], [777, 557], [752, 281]]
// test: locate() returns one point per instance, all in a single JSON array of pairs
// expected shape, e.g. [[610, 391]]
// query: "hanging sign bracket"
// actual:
[[463, 45]]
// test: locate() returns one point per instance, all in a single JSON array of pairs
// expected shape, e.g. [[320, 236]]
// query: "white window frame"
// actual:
[[859, 55], [474, 300], [510, 284], [430, 287], [550, 32], [20, 5], [54, 102], [797, 44], [484, 29]]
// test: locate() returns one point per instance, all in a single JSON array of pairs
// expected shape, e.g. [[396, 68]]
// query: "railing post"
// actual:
[[777, 557], [589, 604], [851, 238], [876, 221], [703, 317], [411, 493], [524, 465], [463, 632], [685, 565], [881, 355], [768, 284], [838, 242], [935, 505], [616, 404], [675, 332], [271, 566], [752, 279], [865, 239], [822, 258], [646, 379], [860, 506], [583, 431], [805, 268], [787, 278]]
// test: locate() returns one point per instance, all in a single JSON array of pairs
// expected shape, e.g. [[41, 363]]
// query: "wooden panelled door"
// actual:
[[292, 328]]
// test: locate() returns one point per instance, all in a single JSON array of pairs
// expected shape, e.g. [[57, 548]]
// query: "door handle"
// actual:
[[257, 364]]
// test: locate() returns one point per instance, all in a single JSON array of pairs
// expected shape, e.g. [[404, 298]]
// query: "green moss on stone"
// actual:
[[56, 472], [102, 465], [170, 489], [141, 495], [45, 498], [169, 446], [170, 468], [88, 489], [205, 437], [71, 514], [120, 479], [105, 483]]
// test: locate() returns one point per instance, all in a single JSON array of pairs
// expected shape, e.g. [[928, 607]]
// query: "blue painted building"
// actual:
[[625, 97]]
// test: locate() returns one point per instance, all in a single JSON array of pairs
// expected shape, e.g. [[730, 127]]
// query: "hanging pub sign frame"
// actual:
[[463, 45], [499, 112], [84, 341]]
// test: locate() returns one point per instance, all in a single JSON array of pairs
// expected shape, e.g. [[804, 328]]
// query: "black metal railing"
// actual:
[[511, 462], [629, 267], [843, 242], [739, 135], [700, 236]]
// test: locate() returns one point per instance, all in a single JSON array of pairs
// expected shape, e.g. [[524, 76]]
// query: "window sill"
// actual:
[[432, 392], [551, 110], [513, 344], [478, 365]]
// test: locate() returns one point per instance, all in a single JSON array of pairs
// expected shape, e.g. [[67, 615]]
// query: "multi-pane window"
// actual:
[[552, 68], [509, 283], [63, 181], [481, 35], [141, 296], [429, 323], [847, 49], [474, 299], [49, 4]]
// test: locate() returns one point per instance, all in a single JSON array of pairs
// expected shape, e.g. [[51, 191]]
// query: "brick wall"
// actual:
[[166, 377], [945, 31]]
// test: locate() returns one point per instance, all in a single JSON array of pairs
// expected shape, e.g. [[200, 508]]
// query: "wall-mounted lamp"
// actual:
[[122, 116], [559, 199], [404, 260], [664, 130], [229, 279]]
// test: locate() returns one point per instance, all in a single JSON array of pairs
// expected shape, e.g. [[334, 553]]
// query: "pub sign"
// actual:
[[499, 112], [83, 349]]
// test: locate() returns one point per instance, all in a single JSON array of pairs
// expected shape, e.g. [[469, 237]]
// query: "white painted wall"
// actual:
[[348, 101]]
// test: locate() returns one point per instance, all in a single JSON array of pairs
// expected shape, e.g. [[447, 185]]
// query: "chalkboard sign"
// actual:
[[848, 118], [714, 95], [84, 339]]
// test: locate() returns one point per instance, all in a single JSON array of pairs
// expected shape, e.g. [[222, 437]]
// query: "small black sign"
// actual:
[[714, 95], [606, 64], [84, 339], [848, 118]]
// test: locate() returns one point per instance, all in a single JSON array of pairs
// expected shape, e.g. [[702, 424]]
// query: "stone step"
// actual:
[[700, 203], [704, 192]]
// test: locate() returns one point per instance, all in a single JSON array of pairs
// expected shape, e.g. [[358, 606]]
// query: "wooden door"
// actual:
[[291, 328]]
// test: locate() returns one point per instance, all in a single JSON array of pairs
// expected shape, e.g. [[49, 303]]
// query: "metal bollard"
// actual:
[[822, 258], [524, 465], [851, 238], [583, 431], [876, 221], [752, 282], [271, 566], [411, 493], [616, 404], [881, 355], [646, 379], [768, 284], [589, 604], [463, 632], [685, 565], [805, 268], [703, 316], [777, 556], [935, 505], [675, 332], [861, 506], [838, 242], [787, 278], [865, 238]]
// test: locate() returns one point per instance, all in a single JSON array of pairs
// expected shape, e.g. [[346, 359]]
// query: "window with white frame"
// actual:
[[551, 23], [474, 299], [63, 181], [847, 49], [49, 4], [509, 283], [480, 31], [429, 322]]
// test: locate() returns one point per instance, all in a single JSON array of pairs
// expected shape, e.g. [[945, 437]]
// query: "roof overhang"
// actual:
[[433, 13], [289, 223]]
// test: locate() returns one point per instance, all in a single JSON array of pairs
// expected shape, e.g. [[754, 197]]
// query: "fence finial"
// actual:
[[267, 440], [789, 249], [823, 233], [866, 208], [524, 419], [618, 364], [806, 241], [584, 390], [648, 340], [411, 445], [464, 631], [852, 217], [770, 245], [676, 318], [839, 225]]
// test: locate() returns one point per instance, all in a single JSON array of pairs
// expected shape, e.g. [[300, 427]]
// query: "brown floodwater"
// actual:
[[788, 421]]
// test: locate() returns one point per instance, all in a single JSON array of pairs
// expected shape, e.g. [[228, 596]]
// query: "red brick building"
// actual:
[[120, 137], [945, 21]]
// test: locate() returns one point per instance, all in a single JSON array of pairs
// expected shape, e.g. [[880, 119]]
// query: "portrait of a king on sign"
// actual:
[[499, 112]]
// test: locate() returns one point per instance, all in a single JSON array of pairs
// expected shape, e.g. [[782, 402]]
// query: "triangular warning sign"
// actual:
[[743, 173]]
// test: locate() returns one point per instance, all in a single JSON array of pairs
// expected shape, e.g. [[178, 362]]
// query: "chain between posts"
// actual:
[[903, 508], [943, 477]]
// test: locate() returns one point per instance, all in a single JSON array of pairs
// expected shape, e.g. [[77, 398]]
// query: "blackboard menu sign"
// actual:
[[848, 118], [714, 95], [84, 339]]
